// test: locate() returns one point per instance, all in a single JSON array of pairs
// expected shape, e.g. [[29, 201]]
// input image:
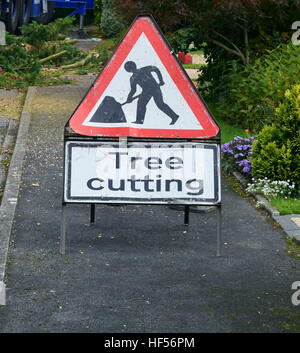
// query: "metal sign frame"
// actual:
[[72, 136]]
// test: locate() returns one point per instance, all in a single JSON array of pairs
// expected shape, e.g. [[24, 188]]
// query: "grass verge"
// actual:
[[197, 52], [228, 131], [286, 206], [193, 66]]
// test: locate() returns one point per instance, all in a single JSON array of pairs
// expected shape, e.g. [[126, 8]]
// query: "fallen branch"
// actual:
[[78, 63], [53, 56], [57, 43], [69, 41]]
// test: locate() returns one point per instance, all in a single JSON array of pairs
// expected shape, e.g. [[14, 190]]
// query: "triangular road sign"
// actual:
[[143, 91]]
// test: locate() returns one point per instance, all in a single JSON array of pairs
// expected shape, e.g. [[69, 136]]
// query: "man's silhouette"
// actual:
[[150, 89]]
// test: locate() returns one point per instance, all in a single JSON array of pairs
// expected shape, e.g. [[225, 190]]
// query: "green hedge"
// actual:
[[97, 12], [111, 22], [251, 96], [276, 151]]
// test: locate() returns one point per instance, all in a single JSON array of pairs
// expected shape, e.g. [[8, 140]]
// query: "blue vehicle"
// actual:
[[15, 13]]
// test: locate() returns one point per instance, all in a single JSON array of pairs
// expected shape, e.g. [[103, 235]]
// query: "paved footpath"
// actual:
[[137, 269]]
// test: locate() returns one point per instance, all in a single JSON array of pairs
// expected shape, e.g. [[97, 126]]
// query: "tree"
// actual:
[[236, 32], [231, 25], [169, 14], [236, 25]]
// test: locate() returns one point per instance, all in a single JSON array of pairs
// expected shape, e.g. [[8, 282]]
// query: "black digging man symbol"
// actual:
[[110, 111]]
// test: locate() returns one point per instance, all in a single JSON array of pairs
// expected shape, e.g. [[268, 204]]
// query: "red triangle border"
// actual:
[[144, 24]]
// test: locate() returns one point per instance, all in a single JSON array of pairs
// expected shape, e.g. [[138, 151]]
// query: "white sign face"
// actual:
[[156, 173]]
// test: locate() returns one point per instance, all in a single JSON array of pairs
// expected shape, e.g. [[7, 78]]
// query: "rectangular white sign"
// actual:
[[150, 173]]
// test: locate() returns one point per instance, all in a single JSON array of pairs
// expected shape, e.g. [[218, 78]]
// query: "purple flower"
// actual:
[[240, 149], [245, 164], [246, 169], [226, 148], [239, 155]]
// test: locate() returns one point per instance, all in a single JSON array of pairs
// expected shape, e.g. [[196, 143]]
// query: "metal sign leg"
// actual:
[[92, 214], [186, 215], [63, 229], [81, 20], [219, 230]]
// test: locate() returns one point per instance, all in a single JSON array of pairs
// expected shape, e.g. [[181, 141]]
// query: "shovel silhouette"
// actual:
[[110, 111]]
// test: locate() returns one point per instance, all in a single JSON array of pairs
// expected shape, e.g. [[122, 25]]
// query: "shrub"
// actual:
[[17, 64], [181, 39], [111, 22], [97, 12], [276, 151], [37, 34], [253, 94]]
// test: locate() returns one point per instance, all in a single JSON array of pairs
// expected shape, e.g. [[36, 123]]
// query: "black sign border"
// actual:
[[156, 201]]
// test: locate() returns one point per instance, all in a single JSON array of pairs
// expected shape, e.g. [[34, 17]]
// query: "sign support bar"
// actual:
[[92, 214], [63, 229], [92, 220], [219, 230], [186, 215]]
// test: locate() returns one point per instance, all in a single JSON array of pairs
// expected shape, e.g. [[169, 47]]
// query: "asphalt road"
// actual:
[[138, 268]]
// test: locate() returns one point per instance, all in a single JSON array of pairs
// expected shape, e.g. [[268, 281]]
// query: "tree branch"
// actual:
[[246, 40], [238, 53], [229, 41], [53, 56]]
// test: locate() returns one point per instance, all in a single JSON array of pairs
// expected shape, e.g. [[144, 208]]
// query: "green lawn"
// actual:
[[228, 132], [193, 66], [197, 52], [286, 206]]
